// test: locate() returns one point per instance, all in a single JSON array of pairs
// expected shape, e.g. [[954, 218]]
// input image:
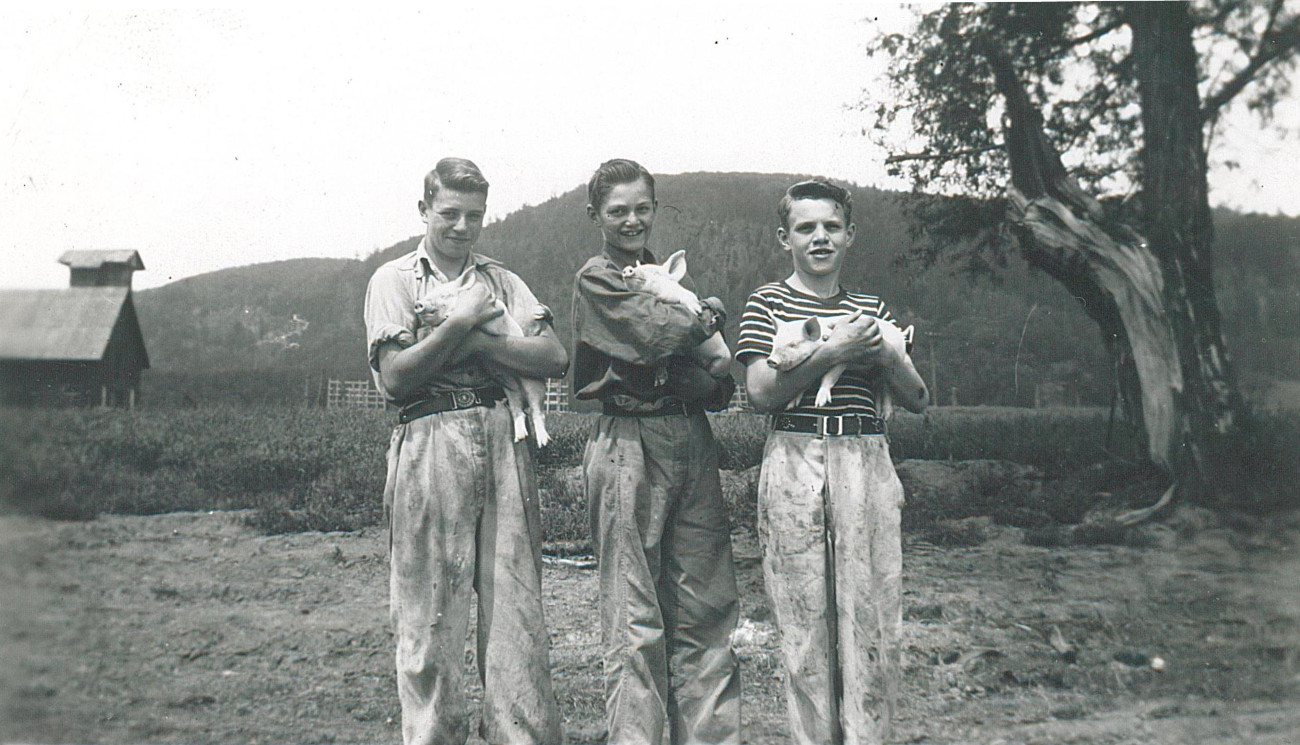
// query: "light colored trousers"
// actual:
[[461, 499], [668, 600], [829, 513]]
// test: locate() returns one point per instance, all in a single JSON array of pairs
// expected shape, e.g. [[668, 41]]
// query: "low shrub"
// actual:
[[569, 433], [1055, 440], [564, 504], [1270, 452], [740, 438], [323, 469], [78, 463]]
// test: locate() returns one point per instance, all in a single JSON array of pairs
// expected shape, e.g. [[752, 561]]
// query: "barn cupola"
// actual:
[[102, 268]]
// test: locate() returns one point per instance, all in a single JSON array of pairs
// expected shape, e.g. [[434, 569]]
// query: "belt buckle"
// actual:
[[463, 399], [826, 429]]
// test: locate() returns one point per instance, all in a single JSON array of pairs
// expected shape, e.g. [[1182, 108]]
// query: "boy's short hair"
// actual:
[[817, 188], [457, 174], [614, 172]]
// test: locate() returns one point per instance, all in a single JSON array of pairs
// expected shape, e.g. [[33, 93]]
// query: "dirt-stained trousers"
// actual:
[[668, 599], [829, 517], [461, 499]]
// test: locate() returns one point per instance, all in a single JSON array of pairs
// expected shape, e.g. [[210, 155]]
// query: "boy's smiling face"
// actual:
[[453, 222], [626, 216], [816, 236]]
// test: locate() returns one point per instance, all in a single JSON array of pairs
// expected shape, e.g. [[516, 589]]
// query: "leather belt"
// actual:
[[666, 406], [459, 398], [829, 426]]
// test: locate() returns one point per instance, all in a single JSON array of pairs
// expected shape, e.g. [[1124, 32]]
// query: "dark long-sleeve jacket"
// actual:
[[630, 343]]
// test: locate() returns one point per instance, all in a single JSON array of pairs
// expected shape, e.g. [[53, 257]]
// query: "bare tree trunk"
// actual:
[[1177, 221], [1151, 296], [1108, 267]]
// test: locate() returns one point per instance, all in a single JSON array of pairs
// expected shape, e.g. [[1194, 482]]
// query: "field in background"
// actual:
[[323, 469]]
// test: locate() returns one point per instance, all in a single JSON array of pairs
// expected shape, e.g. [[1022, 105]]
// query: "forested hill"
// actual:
[[991, 340], [726, 222]]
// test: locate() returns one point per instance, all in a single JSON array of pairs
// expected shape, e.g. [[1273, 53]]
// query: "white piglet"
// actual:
[[664, 281], [525, 396], [795, 341]]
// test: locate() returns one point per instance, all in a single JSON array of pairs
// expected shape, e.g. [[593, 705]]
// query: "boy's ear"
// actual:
[[592, 214], [849, 232], [676, 265], [423, 208], [783, 238]]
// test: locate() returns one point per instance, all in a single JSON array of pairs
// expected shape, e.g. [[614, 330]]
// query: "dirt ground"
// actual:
[[193, 628]]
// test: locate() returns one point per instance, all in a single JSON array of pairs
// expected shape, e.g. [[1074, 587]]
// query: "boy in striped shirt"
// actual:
[[828, 498]]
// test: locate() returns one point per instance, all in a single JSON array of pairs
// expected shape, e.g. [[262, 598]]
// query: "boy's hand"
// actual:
[[712, 314], [857, 342], [476, 305]]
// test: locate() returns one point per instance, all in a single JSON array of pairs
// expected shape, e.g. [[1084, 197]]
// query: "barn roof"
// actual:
[[73, 324], [85, 259]]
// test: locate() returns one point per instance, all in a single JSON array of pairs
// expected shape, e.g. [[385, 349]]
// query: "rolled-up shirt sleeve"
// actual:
[[633, 326], [389, 313]]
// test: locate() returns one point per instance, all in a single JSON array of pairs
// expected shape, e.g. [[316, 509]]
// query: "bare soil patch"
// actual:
[[192, 627]]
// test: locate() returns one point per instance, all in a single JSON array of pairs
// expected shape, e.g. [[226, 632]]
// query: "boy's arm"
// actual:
[[906, 385], [895, 366], [404, 370], [855, 343], [633, 326], [540, 356]]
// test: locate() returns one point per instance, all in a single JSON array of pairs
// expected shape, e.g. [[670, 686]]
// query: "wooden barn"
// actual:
[[80, 346]]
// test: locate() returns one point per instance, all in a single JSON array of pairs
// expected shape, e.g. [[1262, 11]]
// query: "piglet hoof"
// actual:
[[823, 396], [539, 429], [521, 428]]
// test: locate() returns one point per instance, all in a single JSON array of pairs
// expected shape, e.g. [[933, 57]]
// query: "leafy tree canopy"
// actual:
[[942, 118]]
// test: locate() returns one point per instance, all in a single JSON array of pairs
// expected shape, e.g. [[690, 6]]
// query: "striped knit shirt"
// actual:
[[778, 302]]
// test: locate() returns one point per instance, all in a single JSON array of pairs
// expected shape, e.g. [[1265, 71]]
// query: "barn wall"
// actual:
[[50, 384]]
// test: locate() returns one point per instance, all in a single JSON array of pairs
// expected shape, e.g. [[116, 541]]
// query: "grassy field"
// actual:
[[323, 469]]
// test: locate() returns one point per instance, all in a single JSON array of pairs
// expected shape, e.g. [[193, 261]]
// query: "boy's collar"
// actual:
[[424, 265], [797, 283], [646, 257]]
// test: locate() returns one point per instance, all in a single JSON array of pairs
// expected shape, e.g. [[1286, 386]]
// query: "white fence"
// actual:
[[364, 393], [739, 399], [353, 393], [557, 394]]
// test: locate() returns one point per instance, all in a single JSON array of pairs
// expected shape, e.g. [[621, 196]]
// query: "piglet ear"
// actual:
[[676, 265], [812, 329]]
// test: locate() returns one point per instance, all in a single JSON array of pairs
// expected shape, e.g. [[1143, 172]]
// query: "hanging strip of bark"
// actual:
[[1064, 231]]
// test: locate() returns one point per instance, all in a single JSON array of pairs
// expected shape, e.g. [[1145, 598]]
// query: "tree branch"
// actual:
[[927, 155], [1273, 44], [1100, 32], [1216, 18]]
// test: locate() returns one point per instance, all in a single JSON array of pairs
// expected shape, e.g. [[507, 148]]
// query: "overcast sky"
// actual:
[[210, 139]]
